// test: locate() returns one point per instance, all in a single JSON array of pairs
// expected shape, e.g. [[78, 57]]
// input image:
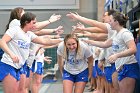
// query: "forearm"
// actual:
[[100, 44], [90, 65], [51, 46], [60, 63], [97, 36], [94, 30], [44, 32], [41, 25], [51, 42], [128, 52], [46, 41], [53, 36], [91, 22], [125, 53], [61, 68]]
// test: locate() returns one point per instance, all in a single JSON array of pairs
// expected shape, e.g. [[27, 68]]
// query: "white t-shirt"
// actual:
[[75, 65], [32, 52], [14, 23], [19, 45], [33, 46], [94, 55], [109, 51], [39, 57], [119, 44]]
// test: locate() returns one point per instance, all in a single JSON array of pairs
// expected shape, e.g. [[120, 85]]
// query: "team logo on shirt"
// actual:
[[115, 47], [72, 60], [23, 44]]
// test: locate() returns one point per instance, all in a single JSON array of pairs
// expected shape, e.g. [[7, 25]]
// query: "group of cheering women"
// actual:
[[107, 57], [112, 55], [23, 44]]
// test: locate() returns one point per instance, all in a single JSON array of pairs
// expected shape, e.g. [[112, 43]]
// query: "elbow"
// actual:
[[135, 50], [105, 46]]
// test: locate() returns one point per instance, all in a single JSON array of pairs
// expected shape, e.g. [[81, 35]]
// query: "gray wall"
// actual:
[[88, 8]]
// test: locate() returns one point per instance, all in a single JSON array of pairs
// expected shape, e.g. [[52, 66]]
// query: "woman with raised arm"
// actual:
[[16, 43], [124, 48], [14, 20]]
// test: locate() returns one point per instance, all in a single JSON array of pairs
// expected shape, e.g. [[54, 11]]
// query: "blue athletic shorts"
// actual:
[[94, 72], [6, 69], [98, 70], [37, 67], [108, 71], [129, 70], [33, 66], [25, 70], [81, 77]]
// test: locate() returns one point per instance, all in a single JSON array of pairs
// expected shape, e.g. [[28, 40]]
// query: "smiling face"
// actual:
[[31, 25], [71, 44]]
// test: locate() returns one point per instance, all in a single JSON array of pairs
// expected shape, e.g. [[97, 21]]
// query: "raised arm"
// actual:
[[59, 30], [85, 20], [100, 44], [46, 41], [52, 46], [94, 36], [42, 24], [80, 28]]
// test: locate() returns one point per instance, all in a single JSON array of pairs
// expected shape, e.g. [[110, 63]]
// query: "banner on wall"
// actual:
[[107, 4]]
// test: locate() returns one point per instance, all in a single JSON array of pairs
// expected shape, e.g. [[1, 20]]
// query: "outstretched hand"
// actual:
[[54, 18], [59, 30], [112, 58], [79, 34], [73, 16], [78, 28], [48, 59]]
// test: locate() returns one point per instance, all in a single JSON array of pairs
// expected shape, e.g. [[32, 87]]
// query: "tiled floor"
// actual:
[[55, 87]]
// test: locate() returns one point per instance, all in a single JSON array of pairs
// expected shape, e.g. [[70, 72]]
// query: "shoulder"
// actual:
[[126, 32], [32, 35], [14, 29], [14, 22], [83, 44], [126, 35], [60, 49], [61, 45]]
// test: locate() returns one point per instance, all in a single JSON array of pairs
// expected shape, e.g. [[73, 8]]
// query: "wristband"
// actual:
[[53, 31], [49, 21]]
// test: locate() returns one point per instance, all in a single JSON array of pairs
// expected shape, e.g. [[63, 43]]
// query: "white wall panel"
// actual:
[[40, 4]]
